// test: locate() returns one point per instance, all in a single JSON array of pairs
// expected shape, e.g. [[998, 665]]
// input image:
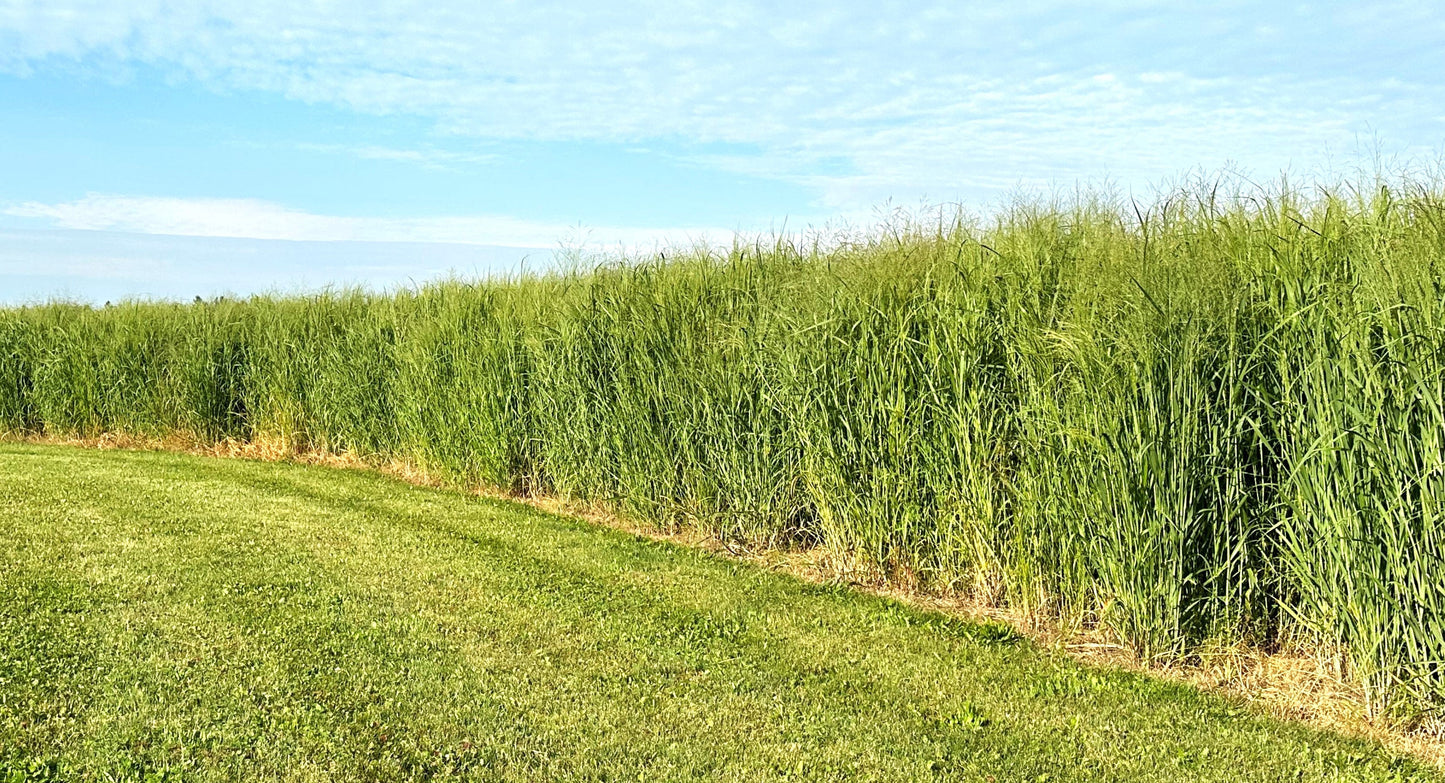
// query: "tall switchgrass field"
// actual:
[[1219, 416]]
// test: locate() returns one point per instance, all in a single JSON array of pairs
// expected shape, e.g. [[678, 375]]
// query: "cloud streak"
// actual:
[[97, 266], [257, 219]]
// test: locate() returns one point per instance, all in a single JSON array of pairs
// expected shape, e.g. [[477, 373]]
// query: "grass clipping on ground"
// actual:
[[1295, 683]]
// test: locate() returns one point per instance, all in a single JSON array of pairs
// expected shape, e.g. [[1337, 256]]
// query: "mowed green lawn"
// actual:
[[178, 618]]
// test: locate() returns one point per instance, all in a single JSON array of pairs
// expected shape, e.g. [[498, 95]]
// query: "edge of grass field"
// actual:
[[1297, 684]]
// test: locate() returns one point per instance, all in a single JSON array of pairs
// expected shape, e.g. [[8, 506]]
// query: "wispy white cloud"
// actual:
[[256, 219], [912, 98], [428, 157]]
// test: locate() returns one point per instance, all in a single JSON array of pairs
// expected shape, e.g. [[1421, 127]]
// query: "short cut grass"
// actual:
[[168, 617]]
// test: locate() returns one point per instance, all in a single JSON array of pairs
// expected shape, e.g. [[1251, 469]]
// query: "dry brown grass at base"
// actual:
[[1296, 684]]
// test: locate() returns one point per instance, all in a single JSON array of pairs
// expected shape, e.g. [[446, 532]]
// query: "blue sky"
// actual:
[[158, 148]]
